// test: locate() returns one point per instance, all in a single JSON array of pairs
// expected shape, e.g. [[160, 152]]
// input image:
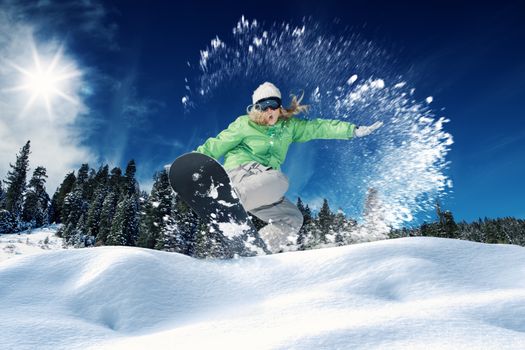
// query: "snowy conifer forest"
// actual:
[[97, 207]]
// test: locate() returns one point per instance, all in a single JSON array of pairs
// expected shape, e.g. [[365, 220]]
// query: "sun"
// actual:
[[45, 82], [42, 84]]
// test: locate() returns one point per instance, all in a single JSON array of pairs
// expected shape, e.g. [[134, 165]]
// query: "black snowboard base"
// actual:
[[205, 186]]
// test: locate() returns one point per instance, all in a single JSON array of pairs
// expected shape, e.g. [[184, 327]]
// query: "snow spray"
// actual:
[[386, 180]]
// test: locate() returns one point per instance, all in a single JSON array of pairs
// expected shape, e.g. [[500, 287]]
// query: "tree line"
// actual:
[[107, 207], [507, 230]]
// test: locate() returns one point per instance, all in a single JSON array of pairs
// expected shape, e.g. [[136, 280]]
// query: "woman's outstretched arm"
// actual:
[[306, 130]]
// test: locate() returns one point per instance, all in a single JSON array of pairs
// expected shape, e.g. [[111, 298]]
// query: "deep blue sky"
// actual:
[[470, 57]]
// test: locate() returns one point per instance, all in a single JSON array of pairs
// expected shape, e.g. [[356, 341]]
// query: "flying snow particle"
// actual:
[[225, 204], [377, 84], [298, 31], [316, 95], [232, 229], [217, 43], [352, 79]]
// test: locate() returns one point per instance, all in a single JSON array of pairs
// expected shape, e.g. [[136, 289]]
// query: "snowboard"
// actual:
[[204, 185]]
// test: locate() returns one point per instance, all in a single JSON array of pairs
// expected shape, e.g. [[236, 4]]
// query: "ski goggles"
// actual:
[[265, 104]]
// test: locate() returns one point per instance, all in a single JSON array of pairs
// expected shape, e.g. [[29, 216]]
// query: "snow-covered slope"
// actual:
[[410, 293], [29, 242]]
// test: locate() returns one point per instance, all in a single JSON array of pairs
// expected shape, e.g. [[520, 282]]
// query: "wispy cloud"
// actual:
[[137, 110], [127, 113], [159, 140], [499, 143]]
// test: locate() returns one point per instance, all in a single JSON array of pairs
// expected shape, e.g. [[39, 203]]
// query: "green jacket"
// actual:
[[245, 141]]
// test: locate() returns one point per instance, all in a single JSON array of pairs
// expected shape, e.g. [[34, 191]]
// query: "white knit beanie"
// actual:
[[264, 91]]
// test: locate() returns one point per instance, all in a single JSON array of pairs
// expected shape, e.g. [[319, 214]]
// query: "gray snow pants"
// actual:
[[261, 190]]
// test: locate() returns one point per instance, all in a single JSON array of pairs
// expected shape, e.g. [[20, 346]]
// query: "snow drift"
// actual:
[[396, 294]]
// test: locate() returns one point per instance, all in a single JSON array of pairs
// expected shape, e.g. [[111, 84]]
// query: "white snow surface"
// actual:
[[29, 242], [408, 293]]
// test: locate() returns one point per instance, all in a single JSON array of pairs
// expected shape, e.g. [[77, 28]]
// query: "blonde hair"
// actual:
[[295, 108]]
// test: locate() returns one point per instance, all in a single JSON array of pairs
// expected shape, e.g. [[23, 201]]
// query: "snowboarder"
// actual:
[[255, 145]]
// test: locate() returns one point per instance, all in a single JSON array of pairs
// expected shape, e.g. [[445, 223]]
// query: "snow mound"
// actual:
[[424, 293]]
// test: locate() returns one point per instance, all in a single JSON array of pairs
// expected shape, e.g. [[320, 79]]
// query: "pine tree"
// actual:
[[36, 204], [514, 230], [170, 238], [301, 236], [90, 186], [203, 244], [174, 237], [83, 183], [450, 228], [7, 222], [309, 223], [304, 235], [16, 185], [82, 176], [341, 228], [95, 211], [57, 202], [308, 231], [157, 217], [2, 196], [493, 231], [446, 227], [191, 226], [326, 221], [185, 234], [115, 181], [431, 229], [207, 243], [74, 207], [99, 185], [131, 189], [117, 234], [77, 237], [106, 217], [146, 238], [124, 229], [130, 184], [102, 176]]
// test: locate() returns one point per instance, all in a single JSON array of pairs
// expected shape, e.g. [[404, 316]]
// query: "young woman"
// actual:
[[255, 145]]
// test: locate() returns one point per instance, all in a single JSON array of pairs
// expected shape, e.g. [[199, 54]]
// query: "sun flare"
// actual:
[[42, 83], [45, 81]]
